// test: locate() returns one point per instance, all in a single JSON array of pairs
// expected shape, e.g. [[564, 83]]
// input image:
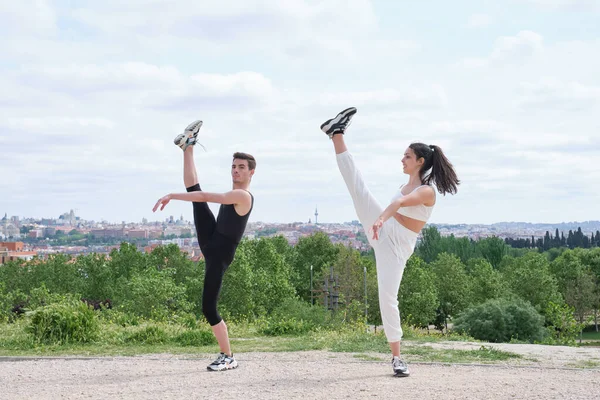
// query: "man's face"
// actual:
[[240, 173]]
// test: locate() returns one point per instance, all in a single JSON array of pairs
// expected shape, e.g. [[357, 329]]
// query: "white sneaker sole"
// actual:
[[327, 125], [190, 132], [223, 367]]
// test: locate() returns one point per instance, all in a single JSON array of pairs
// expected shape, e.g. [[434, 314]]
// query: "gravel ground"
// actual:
[[308, 375]]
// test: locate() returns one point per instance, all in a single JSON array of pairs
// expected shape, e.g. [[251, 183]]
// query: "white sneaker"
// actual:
[[223, 363], [400, 367], [339, 123], [189, 135]]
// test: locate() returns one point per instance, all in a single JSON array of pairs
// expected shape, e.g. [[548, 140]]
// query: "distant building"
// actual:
[[8, 228], [108, 233], [138, 233], [11, 251]]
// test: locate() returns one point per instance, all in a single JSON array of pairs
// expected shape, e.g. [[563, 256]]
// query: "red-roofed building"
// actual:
[[10, 251]]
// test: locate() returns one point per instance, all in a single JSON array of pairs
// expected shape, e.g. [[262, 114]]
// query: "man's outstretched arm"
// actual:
[[236, 196]]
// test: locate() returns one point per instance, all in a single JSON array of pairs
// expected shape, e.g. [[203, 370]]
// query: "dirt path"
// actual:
[[308, 375]]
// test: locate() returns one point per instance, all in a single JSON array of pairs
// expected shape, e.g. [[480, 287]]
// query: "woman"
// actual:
[[395, 228]]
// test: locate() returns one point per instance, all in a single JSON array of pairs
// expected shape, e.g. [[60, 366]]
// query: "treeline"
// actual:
[[556, 241], [448, 278]]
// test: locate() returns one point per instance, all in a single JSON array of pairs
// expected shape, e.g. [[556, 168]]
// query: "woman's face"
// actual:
[[410, 163]]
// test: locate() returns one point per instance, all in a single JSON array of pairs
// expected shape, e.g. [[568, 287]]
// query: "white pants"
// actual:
[[395, 245]]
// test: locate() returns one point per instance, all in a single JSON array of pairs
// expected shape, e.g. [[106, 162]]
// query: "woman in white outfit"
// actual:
[[393, 231]]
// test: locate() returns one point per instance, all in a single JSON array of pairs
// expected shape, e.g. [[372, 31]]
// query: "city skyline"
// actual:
[[94, 93], [173, 219]]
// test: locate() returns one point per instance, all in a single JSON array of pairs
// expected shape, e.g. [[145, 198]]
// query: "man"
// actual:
[[218, 238]]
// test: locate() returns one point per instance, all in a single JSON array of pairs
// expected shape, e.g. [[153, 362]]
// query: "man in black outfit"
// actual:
[[218, 238]]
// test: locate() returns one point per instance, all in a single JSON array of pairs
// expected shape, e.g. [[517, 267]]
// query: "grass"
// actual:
[[157, 338], [482, 355], [593, 363], [590, 339], [591, 336], [367, 357]]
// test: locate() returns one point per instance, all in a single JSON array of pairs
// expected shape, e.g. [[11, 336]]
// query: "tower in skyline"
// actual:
[[316, 215]]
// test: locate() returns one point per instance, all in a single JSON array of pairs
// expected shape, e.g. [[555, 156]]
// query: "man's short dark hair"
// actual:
[[246, 156]]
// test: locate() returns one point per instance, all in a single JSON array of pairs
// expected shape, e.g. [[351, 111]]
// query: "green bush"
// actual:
[[195, 337], [67, 322], [120, 317], [154, 294], [287, 326], [151, 334], [502, 320], [10, 300], [563, 327], [359, 340], [294, 308], [187, 320], [295, 317]]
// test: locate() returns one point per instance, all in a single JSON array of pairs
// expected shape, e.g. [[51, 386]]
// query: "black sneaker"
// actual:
[[223, 363], [189, 135], [400, 367], [339, 123]]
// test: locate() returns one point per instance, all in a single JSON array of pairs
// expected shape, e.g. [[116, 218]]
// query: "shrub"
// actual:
[[502, 320], [195, 337], [286, 326], [151, 334], [66, 322]]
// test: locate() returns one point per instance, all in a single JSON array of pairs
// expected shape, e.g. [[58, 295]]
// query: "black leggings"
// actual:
[[218, 252]]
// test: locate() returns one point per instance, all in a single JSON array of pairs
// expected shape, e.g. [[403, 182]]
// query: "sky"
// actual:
[[93, 93]]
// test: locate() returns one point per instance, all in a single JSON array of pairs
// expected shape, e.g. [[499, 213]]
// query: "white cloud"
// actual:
[[156, 17], [92, 97], [27, 17], [479, 20], [566, 5], [510, 50], [53, 124], [91, 77], [247, 25], [431, 96], [553, 94], [146, 85]]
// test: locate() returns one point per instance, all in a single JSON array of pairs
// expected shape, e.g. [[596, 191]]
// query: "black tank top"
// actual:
[[230, 224]]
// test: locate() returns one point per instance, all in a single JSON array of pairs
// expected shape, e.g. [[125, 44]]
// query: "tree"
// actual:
[[547, 241], [561, 323], [463, 248], [581, 294], [530, 278], [99, 277], [271, 276], [453, 285], [486, 282], [433, 244], [316, 250], [493, 249], [430, 245], [578, 238], [570, 240], [237, 292], [574, 263], [350, 272], [418, 295], [567, 267]]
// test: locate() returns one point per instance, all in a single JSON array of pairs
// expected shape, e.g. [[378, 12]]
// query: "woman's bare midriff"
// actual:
[[409, 223]]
